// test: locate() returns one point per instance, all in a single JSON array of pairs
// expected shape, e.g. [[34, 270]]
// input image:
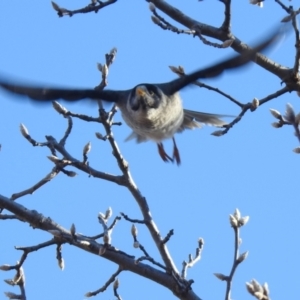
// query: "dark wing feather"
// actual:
[[215, 70], [49, 94]]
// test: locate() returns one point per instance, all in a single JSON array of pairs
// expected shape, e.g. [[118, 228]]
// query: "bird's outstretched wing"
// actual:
[[215, 70], [49, 94], [169, 88]]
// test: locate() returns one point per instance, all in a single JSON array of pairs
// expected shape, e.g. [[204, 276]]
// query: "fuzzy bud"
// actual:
[[275, 113], [277, 125], [200, 242], [99, 67], [243, 221], [177, 70], [59, 108], [290, 114], [221, 276], [55, 6], [257, 2], [155, 20], [5, 267], [134, 230], [297, 150], [104, 70], [71, 174], [61, 263], [54, 159], [24, 130], [217, 133], [113, 51], [116, 283], [89, 294], [237, 214], [233, 221], [227, 43], [73, 229], [10, 295], [108, 213], [287, 18], [101, 216], [87, 148], [255, 103], [242, 257], [99, 136], [152, 6]]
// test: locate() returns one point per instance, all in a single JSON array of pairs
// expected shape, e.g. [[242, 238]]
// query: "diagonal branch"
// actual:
[[94, 6]]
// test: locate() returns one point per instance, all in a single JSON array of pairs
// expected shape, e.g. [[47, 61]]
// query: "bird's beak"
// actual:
[[140, 92]]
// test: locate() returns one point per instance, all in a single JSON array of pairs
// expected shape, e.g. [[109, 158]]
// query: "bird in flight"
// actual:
[[153, 111]]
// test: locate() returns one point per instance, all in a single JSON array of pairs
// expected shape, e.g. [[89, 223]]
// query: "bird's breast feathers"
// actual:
[[155, 124]]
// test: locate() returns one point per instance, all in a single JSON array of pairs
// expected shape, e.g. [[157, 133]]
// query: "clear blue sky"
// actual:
[[252, 168]]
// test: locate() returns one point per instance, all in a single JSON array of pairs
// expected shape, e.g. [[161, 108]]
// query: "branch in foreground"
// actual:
[[62, 235]]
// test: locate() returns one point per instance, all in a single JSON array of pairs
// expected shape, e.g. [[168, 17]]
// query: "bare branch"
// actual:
[[191, 262], [132, 220], [94, 6], [111, 280], [39, 184], [226, 24]]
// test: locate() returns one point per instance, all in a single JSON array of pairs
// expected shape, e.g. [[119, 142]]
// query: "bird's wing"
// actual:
[[193, 119], [48, 94], [236, 61]]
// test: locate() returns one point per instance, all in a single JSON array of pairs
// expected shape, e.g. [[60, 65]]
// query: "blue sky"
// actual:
[[251, 168]]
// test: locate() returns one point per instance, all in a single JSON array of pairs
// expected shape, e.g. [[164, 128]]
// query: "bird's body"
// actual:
[[149, 122], [153, 111], [156, 116]]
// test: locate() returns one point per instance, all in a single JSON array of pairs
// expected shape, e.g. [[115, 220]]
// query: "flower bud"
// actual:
[[87, 148], [155, 20], [217, 133], [59, 108], [116, 283], [242, 257], [24, 130], [221, 276], [275, 113], [152, 6], [227, 43], [134, 230]]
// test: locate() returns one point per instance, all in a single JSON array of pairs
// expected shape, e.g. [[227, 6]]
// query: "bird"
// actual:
[[153, 111]]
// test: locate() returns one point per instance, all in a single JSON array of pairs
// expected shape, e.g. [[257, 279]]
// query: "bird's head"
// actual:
[[145, 97]]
